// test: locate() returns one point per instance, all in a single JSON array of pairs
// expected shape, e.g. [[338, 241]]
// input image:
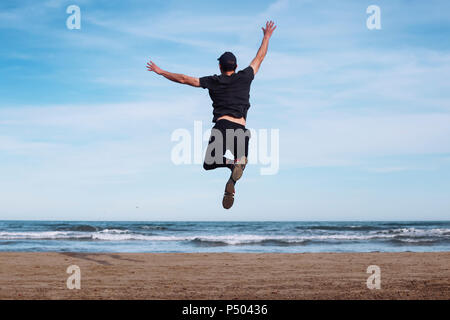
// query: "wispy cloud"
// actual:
[[337, 139], [389, 169]]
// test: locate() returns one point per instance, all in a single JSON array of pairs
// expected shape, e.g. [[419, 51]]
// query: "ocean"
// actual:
[[267, 236]]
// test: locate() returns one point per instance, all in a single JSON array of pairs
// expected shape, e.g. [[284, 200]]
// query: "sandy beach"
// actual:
[[225, 275]]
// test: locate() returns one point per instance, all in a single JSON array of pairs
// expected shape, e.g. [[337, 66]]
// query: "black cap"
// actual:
[[227, 61]]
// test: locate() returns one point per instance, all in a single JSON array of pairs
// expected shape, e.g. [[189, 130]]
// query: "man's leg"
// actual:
[[239, 140], [240, 150], [215, 160]]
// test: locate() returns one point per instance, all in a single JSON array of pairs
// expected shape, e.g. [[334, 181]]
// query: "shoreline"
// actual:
[[225, 276]]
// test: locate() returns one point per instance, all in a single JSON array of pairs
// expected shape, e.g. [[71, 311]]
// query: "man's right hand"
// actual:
[[256, 62], [270, 27]]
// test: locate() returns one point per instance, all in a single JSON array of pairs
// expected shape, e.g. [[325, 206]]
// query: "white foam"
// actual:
[[413, 232], [113, 231], [402, 234], [41, 235]]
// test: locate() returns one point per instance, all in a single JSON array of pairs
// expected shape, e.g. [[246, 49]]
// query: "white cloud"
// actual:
[[342, 139], [103, 117], [390, 169]]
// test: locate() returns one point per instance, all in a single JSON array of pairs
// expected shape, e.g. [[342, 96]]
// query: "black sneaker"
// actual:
[[228, 197], [237, 170]]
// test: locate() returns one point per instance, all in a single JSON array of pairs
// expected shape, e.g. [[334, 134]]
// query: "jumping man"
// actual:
[[230, 93]]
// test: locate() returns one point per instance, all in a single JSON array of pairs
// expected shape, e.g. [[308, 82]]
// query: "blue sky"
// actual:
[[364, 115]]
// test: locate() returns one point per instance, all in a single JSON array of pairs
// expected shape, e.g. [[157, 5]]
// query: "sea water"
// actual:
[[267, 236]]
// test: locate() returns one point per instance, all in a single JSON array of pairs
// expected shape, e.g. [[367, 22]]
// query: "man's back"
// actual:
[[230, 94]]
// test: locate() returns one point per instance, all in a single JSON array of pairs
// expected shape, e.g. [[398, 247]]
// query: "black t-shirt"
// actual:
[[230, 94]]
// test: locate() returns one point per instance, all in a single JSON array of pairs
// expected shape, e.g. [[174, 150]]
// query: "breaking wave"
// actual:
[[409, 236]]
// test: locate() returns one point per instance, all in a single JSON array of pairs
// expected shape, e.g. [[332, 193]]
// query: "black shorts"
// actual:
[[226, 135]]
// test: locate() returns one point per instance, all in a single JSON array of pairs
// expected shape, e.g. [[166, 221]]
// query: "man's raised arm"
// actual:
[[256, 62], [176, 77]]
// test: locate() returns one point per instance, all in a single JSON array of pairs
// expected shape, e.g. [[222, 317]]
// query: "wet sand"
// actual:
[[225, 275]]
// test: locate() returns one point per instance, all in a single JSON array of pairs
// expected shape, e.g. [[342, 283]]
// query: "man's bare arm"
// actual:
[[176, 77], [256, 62]]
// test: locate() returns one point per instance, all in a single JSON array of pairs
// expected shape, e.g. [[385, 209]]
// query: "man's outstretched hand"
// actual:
[[256, 62], [151, 66], [270, 27], [176, 77]]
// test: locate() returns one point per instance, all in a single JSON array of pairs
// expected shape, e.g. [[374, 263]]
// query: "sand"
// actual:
[[225, 275]]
